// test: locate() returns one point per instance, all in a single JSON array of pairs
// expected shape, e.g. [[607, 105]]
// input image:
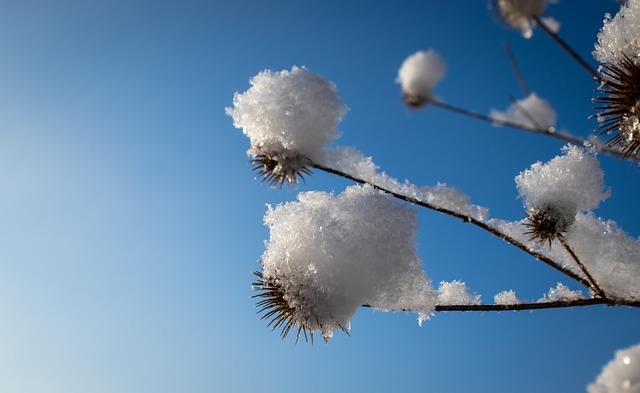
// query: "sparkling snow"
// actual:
[[456, 292], [333, 254], [293, 110], [613, 39]]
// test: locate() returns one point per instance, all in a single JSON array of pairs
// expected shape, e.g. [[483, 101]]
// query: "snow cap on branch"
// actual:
[[418, 75], [289, 116], [327, 256], [560, 293], [456, 293], [506, 298], [618, 37], [532, 111], [621, 374]]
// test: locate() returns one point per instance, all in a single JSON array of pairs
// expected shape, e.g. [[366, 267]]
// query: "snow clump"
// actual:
[[292, 111], [456, 293], [615, 40], [506, 298], [561, 293], [331, 255], [621, 374], [532, 112]]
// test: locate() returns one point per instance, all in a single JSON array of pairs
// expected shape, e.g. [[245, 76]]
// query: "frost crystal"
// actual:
[[288, 113], [418, 75], [618, 36], [570, 183], [329, 255], [561, 293], [532, 112], [456, 293], [506, 298], [621, 374]]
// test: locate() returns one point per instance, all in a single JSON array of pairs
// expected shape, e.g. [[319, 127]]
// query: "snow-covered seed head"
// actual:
[[418, 75], [519, 14], [620, 107], [547, 223], [279, 167], [289, 117]]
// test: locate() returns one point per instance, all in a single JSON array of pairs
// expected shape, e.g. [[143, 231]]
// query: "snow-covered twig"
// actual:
[[463, 217]]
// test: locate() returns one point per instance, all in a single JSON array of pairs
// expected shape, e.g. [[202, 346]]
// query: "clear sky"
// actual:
[[130, 220]]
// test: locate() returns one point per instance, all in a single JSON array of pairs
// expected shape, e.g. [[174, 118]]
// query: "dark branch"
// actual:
[[531, 306]]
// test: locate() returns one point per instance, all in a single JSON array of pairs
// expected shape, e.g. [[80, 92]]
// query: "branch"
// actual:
[[530, 306], [568, 49], [464, 218], [516, 69], [536, 306], [543, 131]]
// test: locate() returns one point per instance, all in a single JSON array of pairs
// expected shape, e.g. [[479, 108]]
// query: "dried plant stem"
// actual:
[[464, 218], [583, 63], [516, 69], [479, 116], [530, 306], [593, 284], [548, 132], [536, 306]]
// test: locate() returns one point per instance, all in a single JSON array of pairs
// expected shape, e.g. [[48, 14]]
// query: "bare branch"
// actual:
[[516, 69]]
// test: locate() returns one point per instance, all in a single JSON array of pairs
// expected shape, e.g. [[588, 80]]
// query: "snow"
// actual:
[[532, 111], [572, 182], [419, 74], [621, 374], [561, 293], [456, 293], [506, 298], [613, 39], [610, 255], [288, 111], [333, 254]]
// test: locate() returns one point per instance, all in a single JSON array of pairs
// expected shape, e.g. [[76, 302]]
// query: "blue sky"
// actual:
[[130, 220]]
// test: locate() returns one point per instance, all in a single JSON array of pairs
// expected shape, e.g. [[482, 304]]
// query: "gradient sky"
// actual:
[[130, 220]]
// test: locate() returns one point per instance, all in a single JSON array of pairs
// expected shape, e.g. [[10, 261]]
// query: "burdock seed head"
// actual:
[[620, 107], [277, 167], [547, 223]]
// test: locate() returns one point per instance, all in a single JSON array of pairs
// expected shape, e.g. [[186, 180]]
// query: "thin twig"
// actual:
[[516, 69], [531, 306], [594, 285], [464, 218], [568, 49], [548, 132]]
